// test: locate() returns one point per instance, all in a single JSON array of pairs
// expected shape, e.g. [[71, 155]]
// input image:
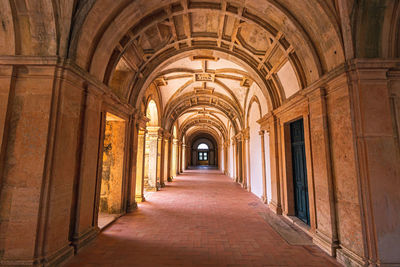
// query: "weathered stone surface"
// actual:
[[204, 64]]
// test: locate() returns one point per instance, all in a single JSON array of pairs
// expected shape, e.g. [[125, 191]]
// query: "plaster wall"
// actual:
[[221, 158], [256, 175], [231, 157], [288, 79], [268, 167]]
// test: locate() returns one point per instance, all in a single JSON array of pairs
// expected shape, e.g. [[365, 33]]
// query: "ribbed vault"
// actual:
[[135, 38]]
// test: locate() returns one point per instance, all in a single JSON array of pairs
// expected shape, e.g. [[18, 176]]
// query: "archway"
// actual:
[[174, 153], [151, 166], [109, 198], [204, 150], [259, 181]]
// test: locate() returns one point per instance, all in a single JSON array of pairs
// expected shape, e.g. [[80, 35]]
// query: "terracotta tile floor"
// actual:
[[201, 219]]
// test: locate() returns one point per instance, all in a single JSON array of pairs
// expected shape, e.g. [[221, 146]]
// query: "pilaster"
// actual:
[[326, 229], [141, 135], [264, 173]]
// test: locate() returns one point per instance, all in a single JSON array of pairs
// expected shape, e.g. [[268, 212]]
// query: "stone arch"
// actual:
[[290, 27], [213, 145], [203, 120], [254, 99], [152, 110], [152, 113], [376, 29], [259, 181], [35, 28]]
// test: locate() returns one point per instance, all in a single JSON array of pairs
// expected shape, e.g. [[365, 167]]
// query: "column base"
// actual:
[[162, 184], [59, 257], [275, 208], [131, 207], [139, 199], [170, 179], [264, 199], [325, 243], [349, 258], [81, 240], [55, 259], [151, 188]]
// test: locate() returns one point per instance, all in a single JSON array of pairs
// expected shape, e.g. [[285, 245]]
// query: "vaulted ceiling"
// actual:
[[208, 58]]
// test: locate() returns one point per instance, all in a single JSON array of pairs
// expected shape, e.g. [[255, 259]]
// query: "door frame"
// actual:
[[296, 204], [125, 172], [286, 179]]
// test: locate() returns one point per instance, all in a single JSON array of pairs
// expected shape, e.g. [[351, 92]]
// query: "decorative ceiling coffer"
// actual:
[[204, 77]]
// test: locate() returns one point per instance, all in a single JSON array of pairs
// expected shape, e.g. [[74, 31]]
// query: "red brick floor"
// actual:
[[201, 219]]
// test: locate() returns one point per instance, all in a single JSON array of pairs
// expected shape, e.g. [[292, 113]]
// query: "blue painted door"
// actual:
[[299, 171]]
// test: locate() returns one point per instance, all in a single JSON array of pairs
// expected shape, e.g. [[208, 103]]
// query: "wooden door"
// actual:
[[299, 171]]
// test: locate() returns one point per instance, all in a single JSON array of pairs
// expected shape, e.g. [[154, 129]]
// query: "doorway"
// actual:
[[299, 171], [110, 202], [202, 154]]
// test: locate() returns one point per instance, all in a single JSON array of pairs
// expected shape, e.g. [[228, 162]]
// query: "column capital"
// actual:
[[261, 132], [142, 132], [167, 135], [141, 120], [246, 133]]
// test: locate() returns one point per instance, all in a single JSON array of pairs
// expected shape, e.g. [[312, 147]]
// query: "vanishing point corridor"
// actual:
[[201, 219]]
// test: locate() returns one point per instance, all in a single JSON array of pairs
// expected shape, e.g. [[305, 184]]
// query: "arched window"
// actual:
[[202, 155], [152, 113], [202, 146]]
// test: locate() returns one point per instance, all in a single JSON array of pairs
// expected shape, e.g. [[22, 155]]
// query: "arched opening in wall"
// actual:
[[183, 155], [110, 197], [204, 151], [257, 181], [231, 161], [174, 153], [202, 154], [152, 147]]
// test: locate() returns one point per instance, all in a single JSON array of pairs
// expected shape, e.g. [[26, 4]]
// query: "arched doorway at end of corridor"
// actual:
[[203, 151]]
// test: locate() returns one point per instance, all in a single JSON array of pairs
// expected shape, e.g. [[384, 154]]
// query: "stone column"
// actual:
[[139, 192], [244, 142], [160, 162], [234, 154], [377, 158], [166, 158], [272, 127], [238, 157], [226, 159], [246, 137], [183, 167], [264, 172], [152, 147], [132, 143], [40, 123], [180, 157], [326, 232], [174, 158]]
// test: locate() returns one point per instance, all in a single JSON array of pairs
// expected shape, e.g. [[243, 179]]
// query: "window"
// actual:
[[203, 156], [202, 146]]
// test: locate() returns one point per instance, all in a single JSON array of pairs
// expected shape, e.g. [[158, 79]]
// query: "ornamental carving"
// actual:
[[204, 77]]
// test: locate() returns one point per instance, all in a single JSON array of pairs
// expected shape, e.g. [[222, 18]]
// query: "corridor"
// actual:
[[201, 219]]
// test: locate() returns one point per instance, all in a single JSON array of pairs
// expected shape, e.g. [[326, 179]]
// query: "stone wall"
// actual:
[[112, 171]]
